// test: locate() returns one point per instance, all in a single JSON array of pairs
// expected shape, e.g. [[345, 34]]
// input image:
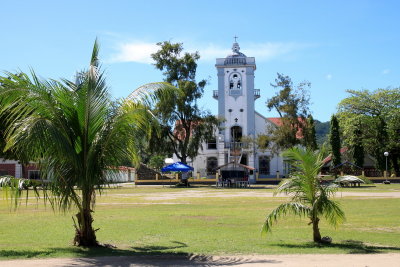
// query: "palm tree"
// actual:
[[310, 198], [75, 133]]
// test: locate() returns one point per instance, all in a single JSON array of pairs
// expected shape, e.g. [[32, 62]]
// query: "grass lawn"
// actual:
[[202, 220]]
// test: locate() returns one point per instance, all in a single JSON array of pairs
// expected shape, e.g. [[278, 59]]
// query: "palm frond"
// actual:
[[333, 213], [309, 197], [15, 187], [294, 208]]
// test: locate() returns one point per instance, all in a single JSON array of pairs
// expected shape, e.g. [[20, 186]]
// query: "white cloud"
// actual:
[[140, 51], [385, 71], [210, 52], [329, 77], [134, 52], [268, 51]]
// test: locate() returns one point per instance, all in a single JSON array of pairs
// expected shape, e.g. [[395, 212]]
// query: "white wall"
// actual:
[[235, 103], [121, 176]]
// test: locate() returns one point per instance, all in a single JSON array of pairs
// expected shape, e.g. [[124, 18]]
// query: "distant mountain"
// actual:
[[321, 131]]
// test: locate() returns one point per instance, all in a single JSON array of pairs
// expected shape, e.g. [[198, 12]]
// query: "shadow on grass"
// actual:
[[357, 187], [141, 256], [157, 249], [349, 246]]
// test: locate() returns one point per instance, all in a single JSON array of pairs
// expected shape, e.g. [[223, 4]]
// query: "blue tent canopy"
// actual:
[[177, 167]]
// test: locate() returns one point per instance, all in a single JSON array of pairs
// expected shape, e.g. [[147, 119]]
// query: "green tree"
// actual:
[[157, 162], [334, 139], [309, 139], [321, 131], [358, 148], [75, 133], [5, 154], [310, 198], [393, 142], [376, 114], [291, 103], [185, 125], [381, 142]]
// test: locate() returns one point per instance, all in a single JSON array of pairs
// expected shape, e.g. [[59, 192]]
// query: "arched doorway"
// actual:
[[243, 160], [212, 164], [236, 133], [264, 165]]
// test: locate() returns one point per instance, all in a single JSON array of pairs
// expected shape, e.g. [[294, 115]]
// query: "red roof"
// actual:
[[329, 158], [278, 122]]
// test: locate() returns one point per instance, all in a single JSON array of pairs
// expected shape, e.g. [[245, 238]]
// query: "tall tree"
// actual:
[[75, 133], [321, 131], [291, 103], [381, 142], [358, 148], [309, 197], [334, 139], [185, 125], [309, 139]]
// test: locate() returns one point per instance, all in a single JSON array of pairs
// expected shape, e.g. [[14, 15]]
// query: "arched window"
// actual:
[[231, 84], [212, 164], [235, 81], [263, 165], [212, 143]]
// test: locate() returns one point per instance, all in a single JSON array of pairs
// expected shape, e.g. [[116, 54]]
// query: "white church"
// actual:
[[236, 97]]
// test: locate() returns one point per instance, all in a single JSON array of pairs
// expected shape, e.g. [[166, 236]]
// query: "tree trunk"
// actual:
[[85, 235], [185, 182], [184, 159], [316, 233]]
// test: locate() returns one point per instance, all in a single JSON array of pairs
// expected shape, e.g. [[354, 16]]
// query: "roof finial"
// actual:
[[235, 46]]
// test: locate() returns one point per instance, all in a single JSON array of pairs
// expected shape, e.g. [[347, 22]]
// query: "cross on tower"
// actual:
[[235, 38]]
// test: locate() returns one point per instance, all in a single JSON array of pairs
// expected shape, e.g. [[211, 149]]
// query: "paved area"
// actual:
[[308, 260]]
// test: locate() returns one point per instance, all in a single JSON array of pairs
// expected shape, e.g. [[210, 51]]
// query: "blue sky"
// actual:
[[336, 45]]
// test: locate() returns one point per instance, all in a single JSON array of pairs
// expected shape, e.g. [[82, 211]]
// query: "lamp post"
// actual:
[[386, 154]]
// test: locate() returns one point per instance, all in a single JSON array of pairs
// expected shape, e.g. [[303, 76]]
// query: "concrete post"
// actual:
[[156, 176], [277, 174]]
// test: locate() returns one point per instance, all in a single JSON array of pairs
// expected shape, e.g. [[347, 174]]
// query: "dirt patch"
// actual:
[[143, 203], [232, 193], [251, 193], [380, 229]]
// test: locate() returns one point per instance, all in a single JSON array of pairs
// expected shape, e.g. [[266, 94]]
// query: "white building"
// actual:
[[236, 96]]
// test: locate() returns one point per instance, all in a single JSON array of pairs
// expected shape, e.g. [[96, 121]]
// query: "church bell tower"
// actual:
[[236, 94]]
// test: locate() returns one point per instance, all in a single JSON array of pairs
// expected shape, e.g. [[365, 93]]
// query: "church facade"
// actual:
[[231, 147]]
